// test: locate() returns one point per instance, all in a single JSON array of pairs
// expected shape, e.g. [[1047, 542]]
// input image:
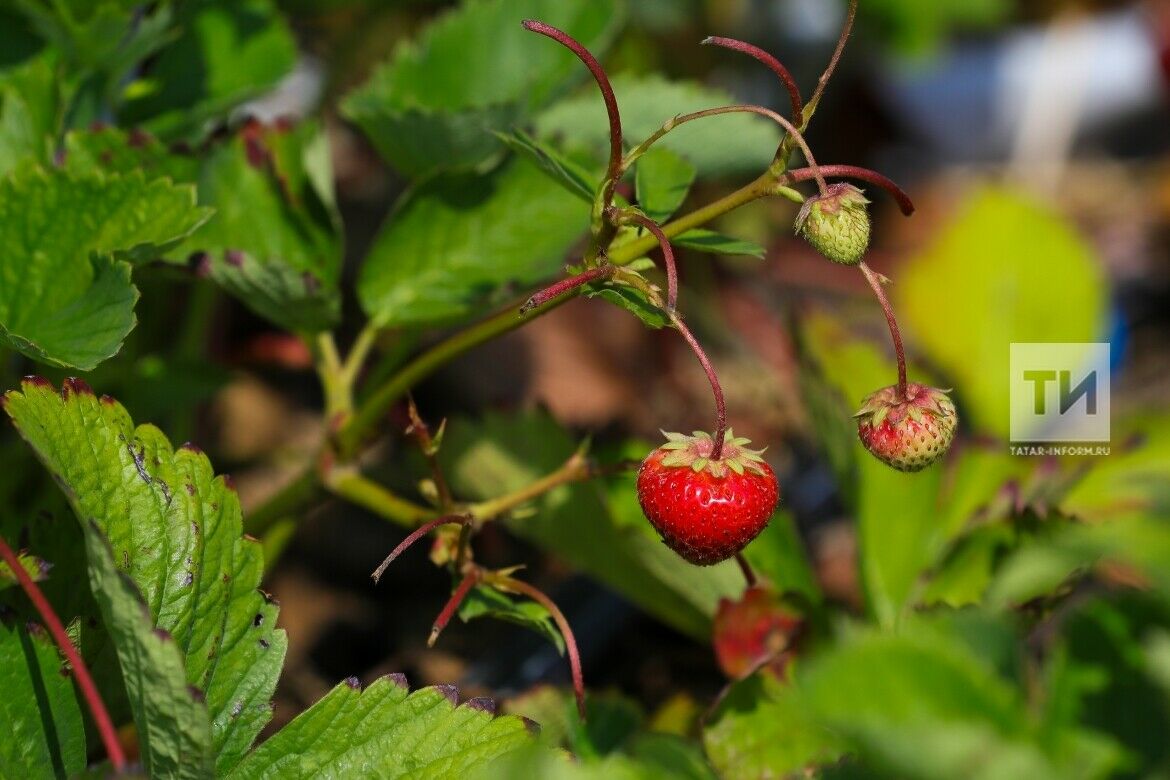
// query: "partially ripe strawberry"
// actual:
[[836, 223], [909, 432], [706, 510]]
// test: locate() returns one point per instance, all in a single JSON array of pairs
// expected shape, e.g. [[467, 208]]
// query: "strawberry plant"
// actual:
[[1008, 612]]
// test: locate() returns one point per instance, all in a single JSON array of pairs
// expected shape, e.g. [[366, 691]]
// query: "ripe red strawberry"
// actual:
[[909, 432], [706, 510]]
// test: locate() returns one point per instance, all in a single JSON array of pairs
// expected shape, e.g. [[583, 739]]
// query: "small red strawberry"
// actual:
[[706, 510], [908, 432]]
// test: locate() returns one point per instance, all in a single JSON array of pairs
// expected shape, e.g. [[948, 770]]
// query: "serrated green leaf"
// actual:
[[1004, 247], [174, 727], [227, 51], [489, 602], [600, 530], [457, 238], [717, 243], [36, 568], [436, 103], [65, 292], [43, 731], [560, 169], [662, 180], [716, 146], [175, 529], [384, 731]]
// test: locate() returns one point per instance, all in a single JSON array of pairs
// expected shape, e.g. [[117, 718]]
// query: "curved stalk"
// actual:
[[774, 64], [876, 284], [663, 242], [413, 537], [537, 595], [853, 172], [452, 605], [670, 124], [611, 108], [89, 691], [713, 378], [823, 81]]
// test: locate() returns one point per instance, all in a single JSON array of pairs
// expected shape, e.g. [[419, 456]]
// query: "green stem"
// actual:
[[371, 411], [351, 485], [338, 395], [575, 469]]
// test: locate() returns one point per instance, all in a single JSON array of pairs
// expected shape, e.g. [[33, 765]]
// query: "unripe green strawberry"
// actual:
[[909, 432], [706, 510], [836, 223]]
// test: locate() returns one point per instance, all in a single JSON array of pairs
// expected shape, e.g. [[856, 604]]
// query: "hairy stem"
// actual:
[[670, 124], [89, 691], [667, 251], [539, 596], [422, 434], [875, 284], [338, 395], [567, 285], [349, 483], [823, 81], [465, 585], [413, 537], [713, 378], [575, 469], [854, 172], [612, 172], [776, 66]]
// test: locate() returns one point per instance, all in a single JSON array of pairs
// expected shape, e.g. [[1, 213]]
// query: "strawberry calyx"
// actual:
[[694, 452], [917, 401]]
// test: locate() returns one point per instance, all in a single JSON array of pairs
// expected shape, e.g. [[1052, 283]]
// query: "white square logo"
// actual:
[[1059, 392]]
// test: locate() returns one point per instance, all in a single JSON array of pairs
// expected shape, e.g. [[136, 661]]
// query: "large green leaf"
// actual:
[[716, 146], [226, 52], [30, 108], [436, 103], [759, 730], [175, 529], [388, 732], [43, 731], [65, 292], [925, 703], [174, 727], [1024, 274], [457, 238], [599, 528], [274, 239]]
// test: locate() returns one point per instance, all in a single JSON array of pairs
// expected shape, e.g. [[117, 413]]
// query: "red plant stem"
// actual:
[[465, 586], [876, 284], [716, 389], [667, 253], [567, 284], [414, 536], [558, 617], [773, 63], [89, 690], [846, 29], [853, 172], [739, 109], [749, 574], [611, 107]]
